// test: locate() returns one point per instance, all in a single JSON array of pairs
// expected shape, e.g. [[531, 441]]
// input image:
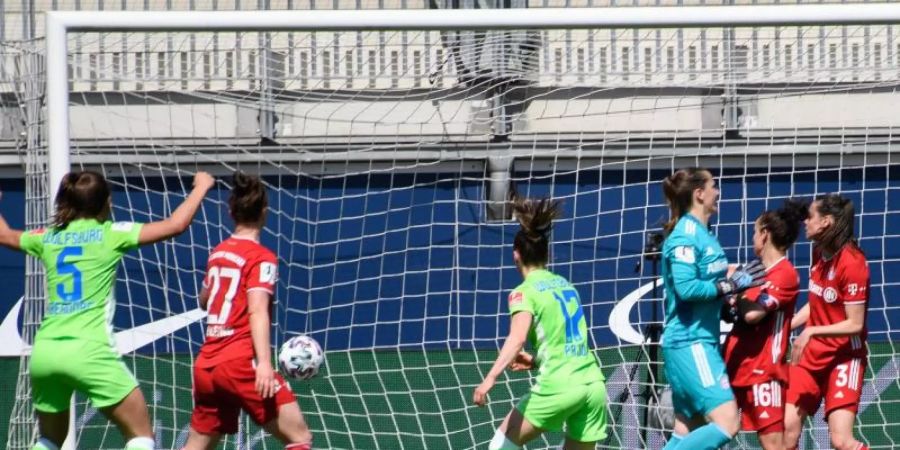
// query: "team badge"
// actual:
[[830, 295], [515, 297]]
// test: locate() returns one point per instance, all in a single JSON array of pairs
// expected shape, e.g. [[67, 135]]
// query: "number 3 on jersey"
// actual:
[[219, 309]]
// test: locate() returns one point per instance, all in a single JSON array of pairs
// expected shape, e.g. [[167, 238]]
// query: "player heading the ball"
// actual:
[[756, 348], [694, 275], [545, 308], [234, 369], [74, 349]]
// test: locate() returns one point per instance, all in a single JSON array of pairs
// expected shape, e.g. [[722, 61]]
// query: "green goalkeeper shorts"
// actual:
[[581, 408], [61, 366]]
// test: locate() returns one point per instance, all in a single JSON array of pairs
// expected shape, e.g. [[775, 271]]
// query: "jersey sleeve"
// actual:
[[519, 302], [263, 274], [681, 255], [123, 236], [32, 242], [779, 291], [854, 284]]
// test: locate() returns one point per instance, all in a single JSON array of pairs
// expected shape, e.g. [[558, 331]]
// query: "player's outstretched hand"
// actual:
[[265, 379], [481, 392], [743, 278], [523, 361], [203, 180]]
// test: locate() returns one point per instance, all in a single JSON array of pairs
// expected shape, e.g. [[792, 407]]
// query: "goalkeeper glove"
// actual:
[[729, 312], [743, 278]]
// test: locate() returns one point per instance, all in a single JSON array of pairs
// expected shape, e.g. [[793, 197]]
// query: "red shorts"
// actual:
[[840, 384], [762, 406], [221, 392]]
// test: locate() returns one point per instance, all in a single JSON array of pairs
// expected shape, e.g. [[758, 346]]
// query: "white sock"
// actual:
[[140, 443]]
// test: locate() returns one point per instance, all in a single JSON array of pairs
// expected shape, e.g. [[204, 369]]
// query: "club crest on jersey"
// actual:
[[515, 297], [685, 254], [830, 295], [724, 382]]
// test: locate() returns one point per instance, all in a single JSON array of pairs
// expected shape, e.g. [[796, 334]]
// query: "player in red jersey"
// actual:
[[234, 369], [829, 358], [756, 348]]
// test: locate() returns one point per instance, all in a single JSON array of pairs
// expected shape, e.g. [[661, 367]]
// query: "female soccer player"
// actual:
[[546, 308], [756, 348], [234, 369], [74, 349], [829, 357], [694, 273]]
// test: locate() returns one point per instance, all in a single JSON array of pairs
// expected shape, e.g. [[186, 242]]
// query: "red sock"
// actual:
[[304, 446]]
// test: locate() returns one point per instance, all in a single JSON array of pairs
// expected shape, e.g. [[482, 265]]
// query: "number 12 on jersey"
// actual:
[[575, 342], [220, 308]]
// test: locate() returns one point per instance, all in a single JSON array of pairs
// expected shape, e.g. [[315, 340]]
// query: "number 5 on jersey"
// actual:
[[220, 308]]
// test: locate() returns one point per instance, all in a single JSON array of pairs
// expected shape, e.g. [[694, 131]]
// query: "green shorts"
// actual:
[[61, 366], [582, 408]]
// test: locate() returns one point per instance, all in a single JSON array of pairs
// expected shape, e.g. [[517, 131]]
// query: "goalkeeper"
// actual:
[[694, 274], [569, 389], [74, 349]]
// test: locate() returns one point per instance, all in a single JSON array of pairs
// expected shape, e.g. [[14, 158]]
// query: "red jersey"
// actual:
[[235, 267], [756, 353], [840, 280]]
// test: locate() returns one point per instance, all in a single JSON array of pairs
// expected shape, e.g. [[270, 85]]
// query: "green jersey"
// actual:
[[558, 334], [81, 263]]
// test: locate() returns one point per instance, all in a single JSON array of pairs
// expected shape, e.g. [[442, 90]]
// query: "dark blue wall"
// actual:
[[391, 260]]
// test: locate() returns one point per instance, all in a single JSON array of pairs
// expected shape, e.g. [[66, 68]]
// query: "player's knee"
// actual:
[[842, 441], [501, 442]]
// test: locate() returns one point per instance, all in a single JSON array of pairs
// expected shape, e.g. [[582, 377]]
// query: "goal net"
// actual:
[[388, 156]]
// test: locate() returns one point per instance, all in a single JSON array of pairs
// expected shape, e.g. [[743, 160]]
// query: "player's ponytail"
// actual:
[[841, 210], [536, 219], [248, 201], [678, 189], [783, 224], [81, 195]]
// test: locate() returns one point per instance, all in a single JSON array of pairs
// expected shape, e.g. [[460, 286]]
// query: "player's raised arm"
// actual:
[[181, 218], [9, 237]]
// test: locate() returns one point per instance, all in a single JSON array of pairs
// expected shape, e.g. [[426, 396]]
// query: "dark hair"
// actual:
[[679, 191], [536, 219], [81, 195], [248, 200], [783, 224], [840, 232]]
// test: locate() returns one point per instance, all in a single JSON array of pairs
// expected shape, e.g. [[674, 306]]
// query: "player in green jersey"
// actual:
[[569, 389], [74, 349]]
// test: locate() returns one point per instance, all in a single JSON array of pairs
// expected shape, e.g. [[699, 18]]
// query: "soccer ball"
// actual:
[[300, 357]]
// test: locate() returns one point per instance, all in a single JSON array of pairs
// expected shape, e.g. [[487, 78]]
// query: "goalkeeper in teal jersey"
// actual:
[[695, 273], [74, 349], [569, 390]]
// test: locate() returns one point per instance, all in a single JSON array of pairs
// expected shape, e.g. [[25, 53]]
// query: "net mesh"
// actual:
[[388, 155]]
